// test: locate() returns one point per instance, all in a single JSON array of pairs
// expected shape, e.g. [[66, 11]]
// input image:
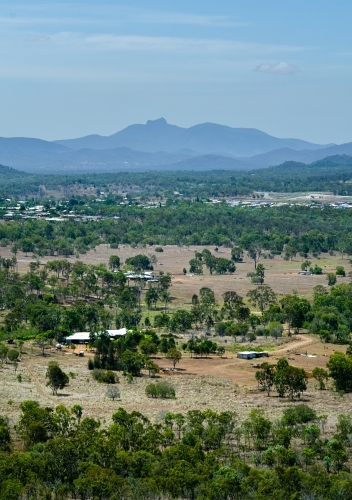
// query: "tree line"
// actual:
[[287, 231]]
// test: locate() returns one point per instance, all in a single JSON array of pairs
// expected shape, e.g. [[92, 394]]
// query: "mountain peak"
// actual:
[[160, 122]]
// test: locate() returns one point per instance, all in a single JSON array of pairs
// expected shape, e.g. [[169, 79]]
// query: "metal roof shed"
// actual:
[[247, 355], [84, 337]]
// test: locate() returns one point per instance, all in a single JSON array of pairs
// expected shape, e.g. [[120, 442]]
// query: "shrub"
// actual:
[[300, 414], [340, 271], [331, 277], [109, 377], [162, 390], [316, 269], [13, 355], [90, 364], [159, 249], [105, 376]]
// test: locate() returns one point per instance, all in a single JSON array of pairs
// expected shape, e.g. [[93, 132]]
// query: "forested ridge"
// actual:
[[331, 174]]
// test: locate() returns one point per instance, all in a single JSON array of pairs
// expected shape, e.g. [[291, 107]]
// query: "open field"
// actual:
[[216, 383], [280, 274]]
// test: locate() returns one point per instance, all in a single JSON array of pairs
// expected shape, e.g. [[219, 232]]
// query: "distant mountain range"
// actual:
[[206, 138], [159, 145]]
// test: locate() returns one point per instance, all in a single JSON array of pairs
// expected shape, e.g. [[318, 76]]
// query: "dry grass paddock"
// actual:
[[280, 274], [217, 383]]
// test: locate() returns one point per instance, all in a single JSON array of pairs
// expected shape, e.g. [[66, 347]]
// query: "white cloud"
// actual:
[[39, 38], [192, 19], [176, 44], [281, 68]]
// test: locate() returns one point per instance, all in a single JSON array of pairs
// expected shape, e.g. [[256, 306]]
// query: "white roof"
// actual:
[[86, 335]]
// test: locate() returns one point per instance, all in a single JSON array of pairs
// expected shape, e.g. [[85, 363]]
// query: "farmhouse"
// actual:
[[84, 337], [252, 354]]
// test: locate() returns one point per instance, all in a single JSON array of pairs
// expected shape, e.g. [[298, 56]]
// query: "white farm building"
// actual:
[[84, 337]]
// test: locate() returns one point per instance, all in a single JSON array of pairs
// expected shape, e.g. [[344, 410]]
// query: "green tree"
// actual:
[[181, 321], [331, 277], [340, 271], [305, 265], [340, 370], [174, 355], [237, 254], [152, 367], [259, 274], [77, 411], [289, 379], [148, 347], [3, 352], [266, 377], [151, 297], [295, 310], [13, 355], [275, 329], [57, 379], [133, 362], [262, 297], [321, 376], [114, 262], [196, 266], [140, 263], [44, 340], [5, 436]]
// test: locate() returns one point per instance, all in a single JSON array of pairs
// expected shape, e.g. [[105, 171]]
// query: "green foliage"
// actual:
[[13, 355], [140, 262], [299, 414], [340, 370], [286, 379], [266, 377], [262, 297], [290, 380], [174, 355], [258, 276], [57, 379], [316, 269], [5, 436], [162, 390], [182, 456], [114, 262], [195, 266], [295, 310], [331, 277], [321, 376], [105, 376], [340, 271], [148, 347], [200, 347], [132, 362]]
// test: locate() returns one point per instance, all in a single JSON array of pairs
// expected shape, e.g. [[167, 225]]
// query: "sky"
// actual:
[[77, 68]]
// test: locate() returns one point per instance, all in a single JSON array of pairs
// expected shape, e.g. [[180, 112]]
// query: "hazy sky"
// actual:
[[71, 69]]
